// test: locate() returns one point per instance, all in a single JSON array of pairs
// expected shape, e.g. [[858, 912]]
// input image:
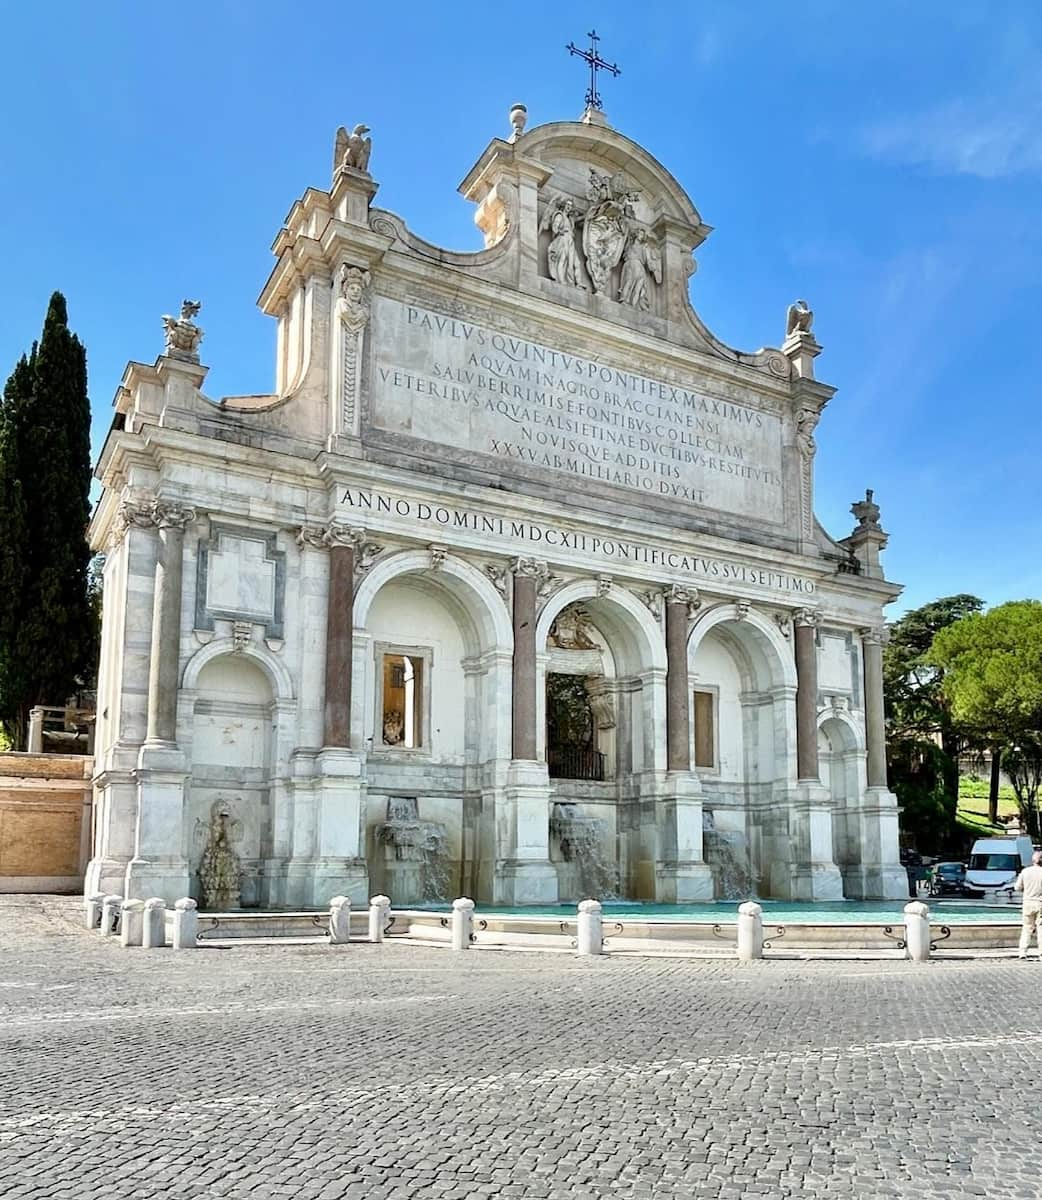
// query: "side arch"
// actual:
[[276, 671]]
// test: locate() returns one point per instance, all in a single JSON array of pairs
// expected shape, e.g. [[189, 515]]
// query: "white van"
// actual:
[[995, 863]]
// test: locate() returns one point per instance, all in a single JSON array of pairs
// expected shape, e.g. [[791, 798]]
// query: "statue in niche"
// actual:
[[220, 872], [570, 630], [798, 318], [182, 334], [352, 149], [353, 305], [606, 226], [394, 728], [640, 260], [562, 257]]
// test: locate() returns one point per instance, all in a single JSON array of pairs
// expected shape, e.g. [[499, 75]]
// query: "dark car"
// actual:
[[949, 879]]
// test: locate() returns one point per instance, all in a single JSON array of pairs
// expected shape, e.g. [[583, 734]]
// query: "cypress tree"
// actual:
[[49, 634], [16, 397]]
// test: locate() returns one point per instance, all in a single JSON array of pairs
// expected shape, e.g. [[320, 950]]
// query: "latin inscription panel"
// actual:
[[464, 385]]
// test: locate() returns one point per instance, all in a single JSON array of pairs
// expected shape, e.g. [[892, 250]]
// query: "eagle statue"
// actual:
[[798, 319], [352, 149]]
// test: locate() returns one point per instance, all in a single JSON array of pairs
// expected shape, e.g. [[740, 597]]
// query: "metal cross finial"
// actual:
[[597, 63]]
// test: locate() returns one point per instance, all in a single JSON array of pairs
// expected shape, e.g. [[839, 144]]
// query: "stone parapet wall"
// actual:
[[45, 821]]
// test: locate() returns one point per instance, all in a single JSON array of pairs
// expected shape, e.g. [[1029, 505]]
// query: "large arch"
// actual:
[[744, 668], [483, 607], [637, 639], [762, 644]]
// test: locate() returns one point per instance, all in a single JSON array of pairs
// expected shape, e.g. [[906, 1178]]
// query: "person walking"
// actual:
[[1029, 882]]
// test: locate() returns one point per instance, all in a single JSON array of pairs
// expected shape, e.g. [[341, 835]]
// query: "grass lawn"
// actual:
[[972, 813]]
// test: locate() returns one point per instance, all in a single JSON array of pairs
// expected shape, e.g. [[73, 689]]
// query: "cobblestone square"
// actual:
[[323, 1073]]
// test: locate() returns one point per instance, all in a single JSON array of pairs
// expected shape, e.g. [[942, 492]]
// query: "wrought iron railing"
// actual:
[[575, 762]]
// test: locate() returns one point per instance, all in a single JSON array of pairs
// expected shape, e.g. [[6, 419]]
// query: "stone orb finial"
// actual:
[[518, 120]]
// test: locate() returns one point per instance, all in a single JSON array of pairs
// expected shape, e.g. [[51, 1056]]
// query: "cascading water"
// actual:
[[580, 839], [727, 853], [416, 863]]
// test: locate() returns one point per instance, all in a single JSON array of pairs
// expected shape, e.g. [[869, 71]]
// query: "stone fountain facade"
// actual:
[[334, 613]]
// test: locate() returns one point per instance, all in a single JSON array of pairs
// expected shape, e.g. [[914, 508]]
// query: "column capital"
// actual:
[[804, 617], [875, 635], [539, 570], [688, 596], [170, 514]]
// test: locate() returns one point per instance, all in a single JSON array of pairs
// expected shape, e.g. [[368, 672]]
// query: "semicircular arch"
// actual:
[[274, 670]]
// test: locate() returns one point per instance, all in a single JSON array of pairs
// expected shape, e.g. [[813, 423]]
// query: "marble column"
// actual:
[[171, 520], [339, 646], [678, 732], [806, 623], [523, 715], [872, 642]]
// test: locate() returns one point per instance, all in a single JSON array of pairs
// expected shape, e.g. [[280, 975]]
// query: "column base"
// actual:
[[810, 874], [146, 877], [683, 883], [523, 872], [105, 876], [879, 875], [521, 882], [331, 877]]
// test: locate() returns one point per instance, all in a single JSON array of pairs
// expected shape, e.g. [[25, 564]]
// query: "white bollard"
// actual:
[[130, 922], [750, 931], [153, 927], [111, 907], [184, 935], [92, 906], [590, 936], [339, 921], [462, 923], [379, 907], [917, 931]]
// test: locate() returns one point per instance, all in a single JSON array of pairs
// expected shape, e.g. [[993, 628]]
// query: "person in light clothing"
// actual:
[[1029, 881]]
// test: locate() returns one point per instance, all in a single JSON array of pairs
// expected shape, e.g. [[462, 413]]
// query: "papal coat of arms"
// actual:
[[606, 226]]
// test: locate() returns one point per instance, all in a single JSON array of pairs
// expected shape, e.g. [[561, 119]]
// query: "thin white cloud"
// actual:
[[991, 138]]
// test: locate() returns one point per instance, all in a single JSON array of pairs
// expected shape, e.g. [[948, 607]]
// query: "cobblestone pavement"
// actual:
[[323, 1073]]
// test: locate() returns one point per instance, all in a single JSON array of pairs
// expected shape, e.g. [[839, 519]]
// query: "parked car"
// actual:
[[949, 879]]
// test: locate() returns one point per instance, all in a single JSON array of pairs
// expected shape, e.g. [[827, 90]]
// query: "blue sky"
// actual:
[[883, 161]]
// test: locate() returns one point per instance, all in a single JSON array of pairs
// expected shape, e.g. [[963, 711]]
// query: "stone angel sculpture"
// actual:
[[798, 318], [641, 260], [352, 149], [562, 255]]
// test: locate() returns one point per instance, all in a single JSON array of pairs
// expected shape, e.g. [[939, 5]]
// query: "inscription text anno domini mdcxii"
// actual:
[[466, 385]]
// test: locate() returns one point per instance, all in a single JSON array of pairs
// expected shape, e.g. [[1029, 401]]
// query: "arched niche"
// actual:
[[232, 750]]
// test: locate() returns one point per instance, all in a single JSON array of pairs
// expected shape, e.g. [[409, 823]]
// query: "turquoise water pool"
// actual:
[[837, 912]]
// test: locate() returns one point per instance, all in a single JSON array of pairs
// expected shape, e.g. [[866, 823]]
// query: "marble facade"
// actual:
[[341, 616]]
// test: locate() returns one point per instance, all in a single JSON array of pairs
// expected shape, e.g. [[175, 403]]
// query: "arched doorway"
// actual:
[[433, 649], [742, 698], [601, 668]]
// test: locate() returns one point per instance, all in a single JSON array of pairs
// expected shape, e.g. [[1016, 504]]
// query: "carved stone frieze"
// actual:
[[499, 575], [652, 600]]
